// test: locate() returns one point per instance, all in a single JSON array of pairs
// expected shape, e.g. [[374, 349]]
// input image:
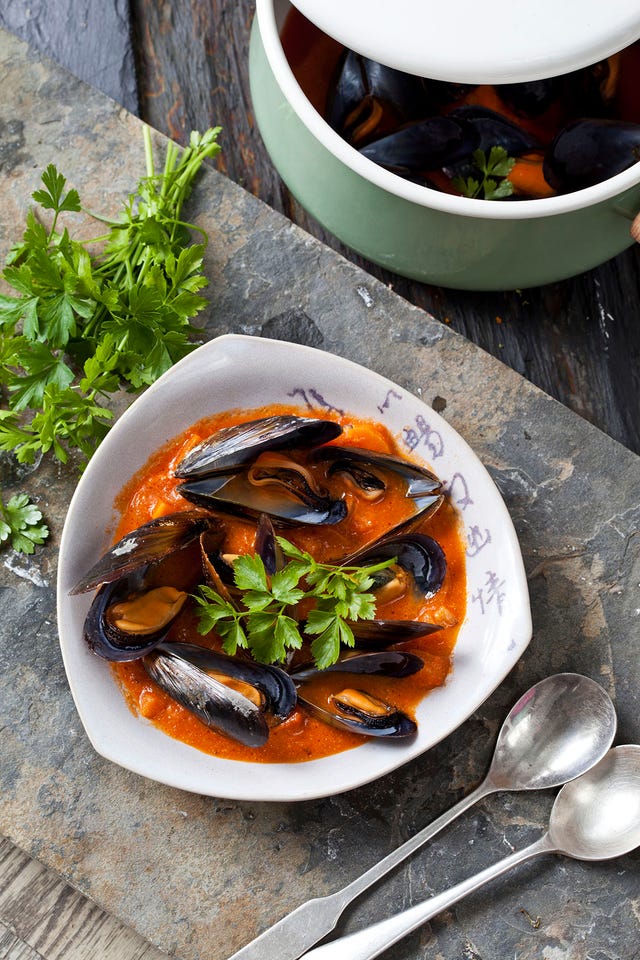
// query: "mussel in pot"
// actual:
[[589, 151], [371, 99]]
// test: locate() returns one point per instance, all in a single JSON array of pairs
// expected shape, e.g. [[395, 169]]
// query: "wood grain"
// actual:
[[43, 918], [578, 340]]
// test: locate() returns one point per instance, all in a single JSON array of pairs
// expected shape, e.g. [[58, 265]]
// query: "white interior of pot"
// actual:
[[271, 16]]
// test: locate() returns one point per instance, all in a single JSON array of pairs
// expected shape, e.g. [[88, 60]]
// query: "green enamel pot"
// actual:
[[412, 230]]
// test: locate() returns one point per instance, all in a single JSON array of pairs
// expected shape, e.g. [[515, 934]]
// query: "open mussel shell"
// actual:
[[218, 706], [420, 565], [360, 712], [148, 544], [282, 491], [277, 686], [107, 639], [368, 472], [389, 663], [231, 448]]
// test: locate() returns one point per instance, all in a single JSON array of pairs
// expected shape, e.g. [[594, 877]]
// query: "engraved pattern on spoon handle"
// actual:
[[370, 942], [311, 921]]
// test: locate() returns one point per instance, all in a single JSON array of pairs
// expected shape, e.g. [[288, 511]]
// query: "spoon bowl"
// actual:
[[558, 729], [598, 816]]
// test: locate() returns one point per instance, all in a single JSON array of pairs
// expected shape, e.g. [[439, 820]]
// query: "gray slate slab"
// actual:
[[200, 876]]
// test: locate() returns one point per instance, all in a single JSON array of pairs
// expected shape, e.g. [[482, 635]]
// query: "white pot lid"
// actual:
[[469, 42]]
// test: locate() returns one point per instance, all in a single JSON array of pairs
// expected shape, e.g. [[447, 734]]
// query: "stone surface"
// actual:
[[200, 876], [91, 38]]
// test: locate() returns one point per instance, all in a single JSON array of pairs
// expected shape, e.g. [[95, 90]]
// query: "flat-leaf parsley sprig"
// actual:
[[262, 620], [492, 181], [79, 324], [20, 524]]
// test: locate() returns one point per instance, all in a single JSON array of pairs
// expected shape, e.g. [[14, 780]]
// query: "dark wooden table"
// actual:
[[183, 66]]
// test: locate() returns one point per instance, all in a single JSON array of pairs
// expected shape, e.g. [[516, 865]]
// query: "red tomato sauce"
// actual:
[[152, 493]]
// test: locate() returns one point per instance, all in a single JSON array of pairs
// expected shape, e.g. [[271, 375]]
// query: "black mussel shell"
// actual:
[[589, 151], [367, 470], [426, 145], [373, 722], [420, 481], [148, 544], [379, 634], [531, 98], [370, 98], [232, 447], [420, 557], [276, 685], [216, 705], [494, 130], [284, 495], [389, 663], [267, 547], [103, 638]]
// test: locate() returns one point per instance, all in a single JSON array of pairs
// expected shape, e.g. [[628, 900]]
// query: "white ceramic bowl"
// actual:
[[214, 378]]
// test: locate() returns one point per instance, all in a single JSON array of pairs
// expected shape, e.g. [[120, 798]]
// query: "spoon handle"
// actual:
[[290, 937], [368, 943]]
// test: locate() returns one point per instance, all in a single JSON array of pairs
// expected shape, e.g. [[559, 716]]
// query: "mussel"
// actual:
[[275, 684], [379, 634], [231, 448], [128, 618], [371, 99], [150, 543], [589, 151], [242, 470], [139, 598], [272, 484], [361, 712], [368, 472], [420, 566], [532, 97], [390, 663], [215, 703], [423, 146], [495, 130]]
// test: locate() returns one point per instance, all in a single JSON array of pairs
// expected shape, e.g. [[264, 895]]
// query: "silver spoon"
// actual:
[[558, 729], [595, 817]]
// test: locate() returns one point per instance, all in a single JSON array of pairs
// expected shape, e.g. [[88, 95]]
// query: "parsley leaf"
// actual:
[[20, 524], [264, 619], [492, 182]]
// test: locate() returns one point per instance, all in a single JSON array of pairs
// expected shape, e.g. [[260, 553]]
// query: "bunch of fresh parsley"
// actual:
[[491, 182], [261, 620], [79, 324]]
